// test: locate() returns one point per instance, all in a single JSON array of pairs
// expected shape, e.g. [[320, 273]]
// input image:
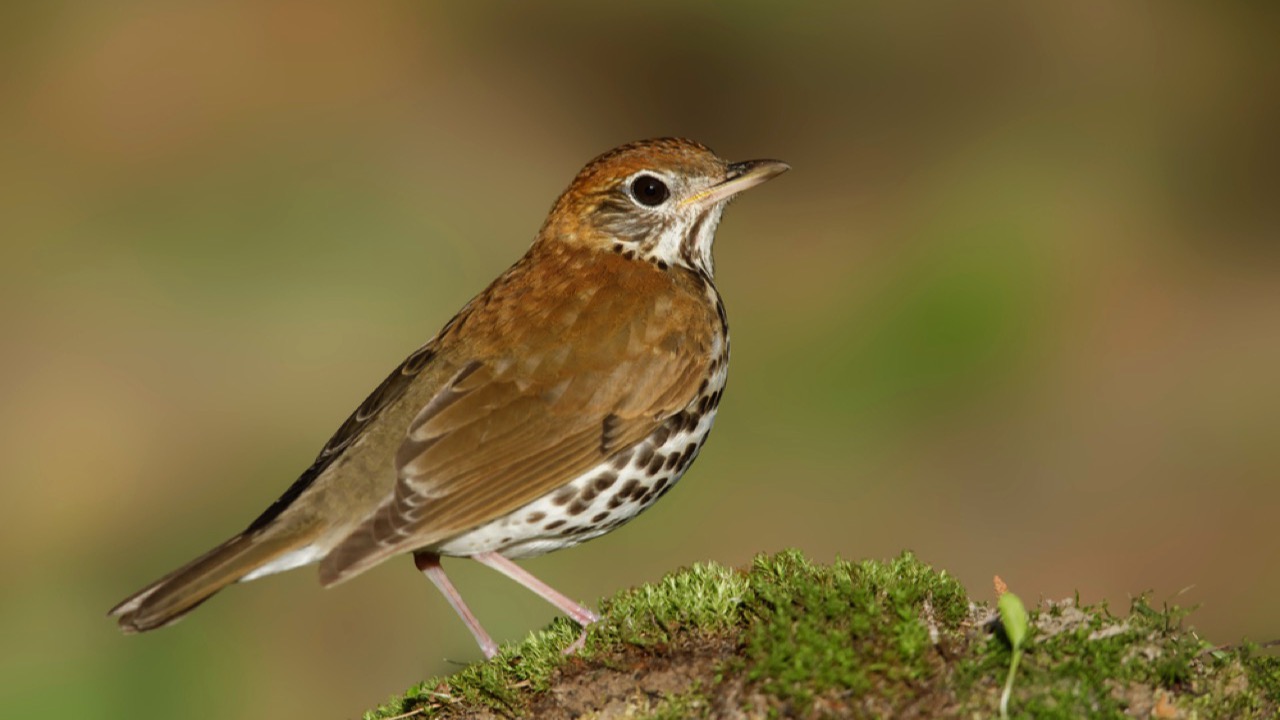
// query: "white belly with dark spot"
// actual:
[[605, 497]]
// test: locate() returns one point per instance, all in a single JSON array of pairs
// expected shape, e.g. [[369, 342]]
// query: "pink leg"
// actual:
[[580, 615], [429, 564]]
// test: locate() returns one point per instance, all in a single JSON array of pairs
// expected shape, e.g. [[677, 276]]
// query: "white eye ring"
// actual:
[[648, 190]]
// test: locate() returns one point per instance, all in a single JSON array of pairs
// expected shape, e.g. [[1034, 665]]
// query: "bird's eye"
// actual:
[[649, 190]]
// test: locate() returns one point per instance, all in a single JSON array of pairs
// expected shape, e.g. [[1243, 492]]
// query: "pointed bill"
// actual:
[[742, 176]]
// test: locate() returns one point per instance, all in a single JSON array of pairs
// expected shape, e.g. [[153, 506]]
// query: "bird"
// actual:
[[558, 404]]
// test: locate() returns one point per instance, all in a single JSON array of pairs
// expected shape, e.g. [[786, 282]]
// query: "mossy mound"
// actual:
[[788, 638]]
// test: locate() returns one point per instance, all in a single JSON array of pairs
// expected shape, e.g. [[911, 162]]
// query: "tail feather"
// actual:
[[166, 600]]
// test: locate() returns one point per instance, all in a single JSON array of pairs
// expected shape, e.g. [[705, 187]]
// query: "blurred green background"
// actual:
[[1017, 306]]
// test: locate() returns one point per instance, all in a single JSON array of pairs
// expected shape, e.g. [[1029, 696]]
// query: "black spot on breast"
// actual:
[[655, 464], [554, 524], [577, 507], [535, 517], [621, 460], [662, 482], [564, 496], [630, 488], [687, 456], [604, 481], [644, 456], [660, 435], [598, 518]]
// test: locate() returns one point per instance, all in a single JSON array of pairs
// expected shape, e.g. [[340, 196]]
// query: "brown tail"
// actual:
[[178, 593]]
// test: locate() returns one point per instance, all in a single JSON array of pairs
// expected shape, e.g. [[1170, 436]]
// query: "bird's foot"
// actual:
[[577, 645]]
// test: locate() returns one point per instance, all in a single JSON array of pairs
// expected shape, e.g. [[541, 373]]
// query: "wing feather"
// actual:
[[553, 393]]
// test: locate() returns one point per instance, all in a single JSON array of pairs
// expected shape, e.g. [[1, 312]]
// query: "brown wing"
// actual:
[[386, 393], [563, 382]]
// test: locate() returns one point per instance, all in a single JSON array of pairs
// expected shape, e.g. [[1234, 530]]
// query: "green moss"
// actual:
[[790, 637], [703, 599], [850, 627], [691, 705], [697, 601], [1264, 674]]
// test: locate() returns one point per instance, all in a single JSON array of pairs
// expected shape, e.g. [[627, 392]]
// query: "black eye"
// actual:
[[649, 190]]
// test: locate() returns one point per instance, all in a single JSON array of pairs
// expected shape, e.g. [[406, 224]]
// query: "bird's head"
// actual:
[[655, 200]]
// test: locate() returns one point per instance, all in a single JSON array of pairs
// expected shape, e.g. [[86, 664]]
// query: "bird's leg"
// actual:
[[578, 613], [429, 564]]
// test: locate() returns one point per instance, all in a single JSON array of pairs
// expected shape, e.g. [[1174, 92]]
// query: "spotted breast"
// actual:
[[619, 488]]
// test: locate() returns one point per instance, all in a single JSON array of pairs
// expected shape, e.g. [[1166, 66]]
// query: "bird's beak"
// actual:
[[741, 176]]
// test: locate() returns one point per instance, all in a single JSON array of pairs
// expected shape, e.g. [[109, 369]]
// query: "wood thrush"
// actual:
[[558, 404]]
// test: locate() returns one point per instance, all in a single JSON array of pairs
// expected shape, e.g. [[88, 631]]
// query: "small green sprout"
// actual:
[[1013, 617]]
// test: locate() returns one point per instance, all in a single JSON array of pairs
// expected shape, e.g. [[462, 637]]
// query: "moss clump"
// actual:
[[1087, 662], [853, 628], [791, 638]]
